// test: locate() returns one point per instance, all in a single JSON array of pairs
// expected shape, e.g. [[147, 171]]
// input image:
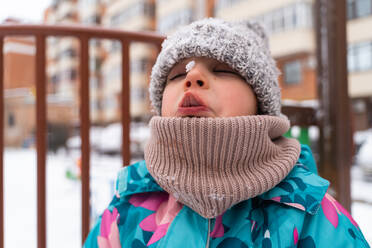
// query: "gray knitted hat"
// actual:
[[241, 45]]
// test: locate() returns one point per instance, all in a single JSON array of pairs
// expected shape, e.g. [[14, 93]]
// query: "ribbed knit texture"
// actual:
[[211, 164]]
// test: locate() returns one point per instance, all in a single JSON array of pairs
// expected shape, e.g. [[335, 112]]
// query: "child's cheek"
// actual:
[[169, 101]]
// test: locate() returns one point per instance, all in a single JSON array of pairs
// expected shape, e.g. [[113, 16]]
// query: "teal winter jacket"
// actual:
[[298, 212]]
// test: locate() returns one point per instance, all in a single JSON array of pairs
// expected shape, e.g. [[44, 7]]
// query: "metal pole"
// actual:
[[333, 93], [125, 102], [1, 142], [210, 8], [41, 140], [84, 132]]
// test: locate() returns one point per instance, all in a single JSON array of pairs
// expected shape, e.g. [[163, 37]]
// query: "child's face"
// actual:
[[207, 88]]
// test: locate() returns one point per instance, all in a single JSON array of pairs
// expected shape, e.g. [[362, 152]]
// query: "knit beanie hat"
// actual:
[[241, 45]]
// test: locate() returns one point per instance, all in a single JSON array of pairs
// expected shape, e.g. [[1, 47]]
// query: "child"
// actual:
[[217, 170]]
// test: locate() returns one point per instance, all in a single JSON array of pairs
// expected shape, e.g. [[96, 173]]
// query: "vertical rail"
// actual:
[[41, 140], [210, 8], [336, 130], [1, 142], [84, 132], [125, 102]]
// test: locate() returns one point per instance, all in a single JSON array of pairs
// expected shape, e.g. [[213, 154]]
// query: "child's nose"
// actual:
[[195, 78]]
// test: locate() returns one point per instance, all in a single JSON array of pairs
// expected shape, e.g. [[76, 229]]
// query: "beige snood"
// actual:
[[211, 164]]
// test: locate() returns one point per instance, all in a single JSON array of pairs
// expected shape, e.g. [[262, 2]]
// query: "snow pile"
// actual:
[[314, 103], [364, 155], [109, 139]]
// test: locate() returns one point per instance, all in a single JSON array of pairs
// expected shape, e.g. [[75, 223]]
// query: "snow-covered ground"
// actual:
[[63, 196], [64, 200]]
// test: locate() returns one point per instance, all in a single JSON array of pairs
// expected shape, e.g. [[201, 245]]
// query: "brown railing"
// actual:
[[83, 34]]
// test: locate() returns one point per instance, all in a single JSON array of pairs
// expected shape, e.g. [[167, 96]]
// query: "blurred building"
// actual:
[[170, 15], [19, 89], [359, 13], [290, 24], [136, 15], [20, 92], [105, 56], [91, 13], [292, 39], [62, 63]]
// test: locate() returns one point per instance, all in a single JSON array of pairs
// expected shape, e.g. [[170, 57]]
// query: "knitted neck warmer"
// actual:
[[211, 164]]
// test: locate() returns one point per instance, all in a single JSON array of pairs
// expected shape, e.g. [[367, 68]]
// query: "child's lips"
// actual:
[[192, 105], [192, 111]]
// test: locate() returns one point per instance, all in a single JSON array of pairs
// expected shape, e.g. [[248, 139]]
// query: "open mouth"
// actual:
[[189, 100], [192, 106]]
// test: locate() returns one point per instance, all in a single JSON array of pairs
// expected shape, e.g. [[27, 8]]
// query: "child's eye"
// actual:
[[226, 71], [177, 76]]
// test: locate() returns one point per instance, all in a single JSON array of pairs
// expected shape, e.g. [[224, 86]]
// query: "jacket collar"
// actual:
[[301, 189]]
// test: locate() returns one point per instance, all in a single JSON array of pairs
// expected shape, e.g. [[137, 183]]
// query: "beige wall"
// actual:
[[360, 84], [359, 30], [293, 42], [167, 7]]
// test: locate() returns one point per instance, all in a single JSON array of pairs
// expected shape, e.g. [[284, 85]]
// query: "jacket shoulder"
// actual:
[[306, 158], [134, 179], [336, 222]]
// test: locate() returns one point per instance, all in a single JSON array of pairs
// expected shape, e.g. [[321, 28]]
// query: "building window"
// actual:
[[293, 72], [11, 120], [289, 18], [95, 64], [113, 73], [221, 4], [139, 65], [68, 53], [278, 20], [69, 75], [149, 9], [73, 74], [174, 20], [94, 19], [69, 15], [94, 83], [115, 46], [134, 10], [111, 103], [54, 79], [298, 15], [360, 57], [89, 2], [138, 94], [358, 8]]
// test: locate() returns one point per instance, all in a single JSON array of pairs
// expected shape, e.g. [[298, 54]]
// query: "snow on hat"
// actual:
[[242, 45]]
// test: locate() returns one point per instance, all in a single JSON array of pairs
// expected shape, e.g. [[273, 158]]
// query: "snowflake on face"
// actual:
[[190, 65]]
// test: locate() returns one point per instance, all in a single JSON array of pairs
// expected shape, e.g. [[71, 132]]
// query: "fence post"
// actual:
[[41, 139], [84, 132], [125, 102], [1, 142], [336, 131]]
